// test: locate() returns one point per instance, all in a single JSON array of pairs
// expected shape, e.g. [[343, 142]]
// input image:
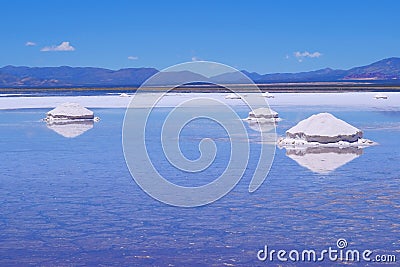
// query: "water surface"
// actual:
[[72, 201]]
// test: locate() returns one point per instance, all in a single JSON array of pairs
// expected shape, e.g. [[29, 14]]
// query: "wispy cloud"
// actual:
[[194, 58], [301, 55], [64, 46], [29, 43], [133, 58]]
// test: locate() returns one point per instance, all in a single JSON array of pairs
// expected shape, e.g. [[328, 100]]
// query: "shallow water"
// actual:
[[72, 201]]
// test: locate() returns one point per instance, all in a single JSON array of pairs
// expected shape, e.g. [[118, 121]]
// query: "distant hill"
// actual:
[[383, 70], [322, 75], [10, 76]]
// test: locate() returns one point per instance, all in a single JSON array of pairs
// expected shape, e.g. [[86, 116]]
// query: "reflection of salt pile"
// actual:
[[232, 96], [323, 159], [324, 129], [261, 127], [70, 119], [70, 129]]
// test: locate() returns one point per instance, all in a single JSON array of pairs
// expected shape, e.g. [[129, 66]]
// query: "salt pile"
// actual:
[[267, 95], [324, 129], [232, 96], [70, 111], [263, 115], [70, 119], [262, 119]]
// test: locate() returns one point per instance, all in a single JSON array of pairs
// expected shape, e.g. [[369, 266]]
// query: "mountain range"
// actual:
[[386, 70]]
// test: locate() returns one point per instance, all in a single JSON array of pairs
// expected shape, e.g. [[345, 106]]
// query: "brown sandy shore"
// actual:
[[317, 87]]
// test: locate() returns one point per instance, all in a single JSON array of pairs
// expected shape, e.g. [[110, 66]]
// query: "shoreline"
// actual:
[[288, 87]]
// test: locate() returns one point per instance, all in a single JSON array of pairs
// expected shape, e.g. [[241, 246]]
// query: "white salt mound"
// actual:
[[324, 128], [262, 119], [263, 114], [267, 95], [232, 96], [70, 111]]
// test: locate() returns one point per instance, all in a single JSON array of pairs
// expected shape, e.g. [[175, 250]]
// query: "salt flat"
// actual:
[[362, 100]]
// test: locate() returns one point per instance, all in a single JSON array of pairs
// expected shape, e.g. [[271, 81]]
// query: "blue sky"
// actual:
[[261, 36]]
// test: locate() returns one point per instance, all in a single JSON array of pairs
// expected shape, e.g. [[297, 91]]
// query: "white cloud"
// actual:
[[29, 43], [195, 58], [64, 46], [133, 58], [301, 55]]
